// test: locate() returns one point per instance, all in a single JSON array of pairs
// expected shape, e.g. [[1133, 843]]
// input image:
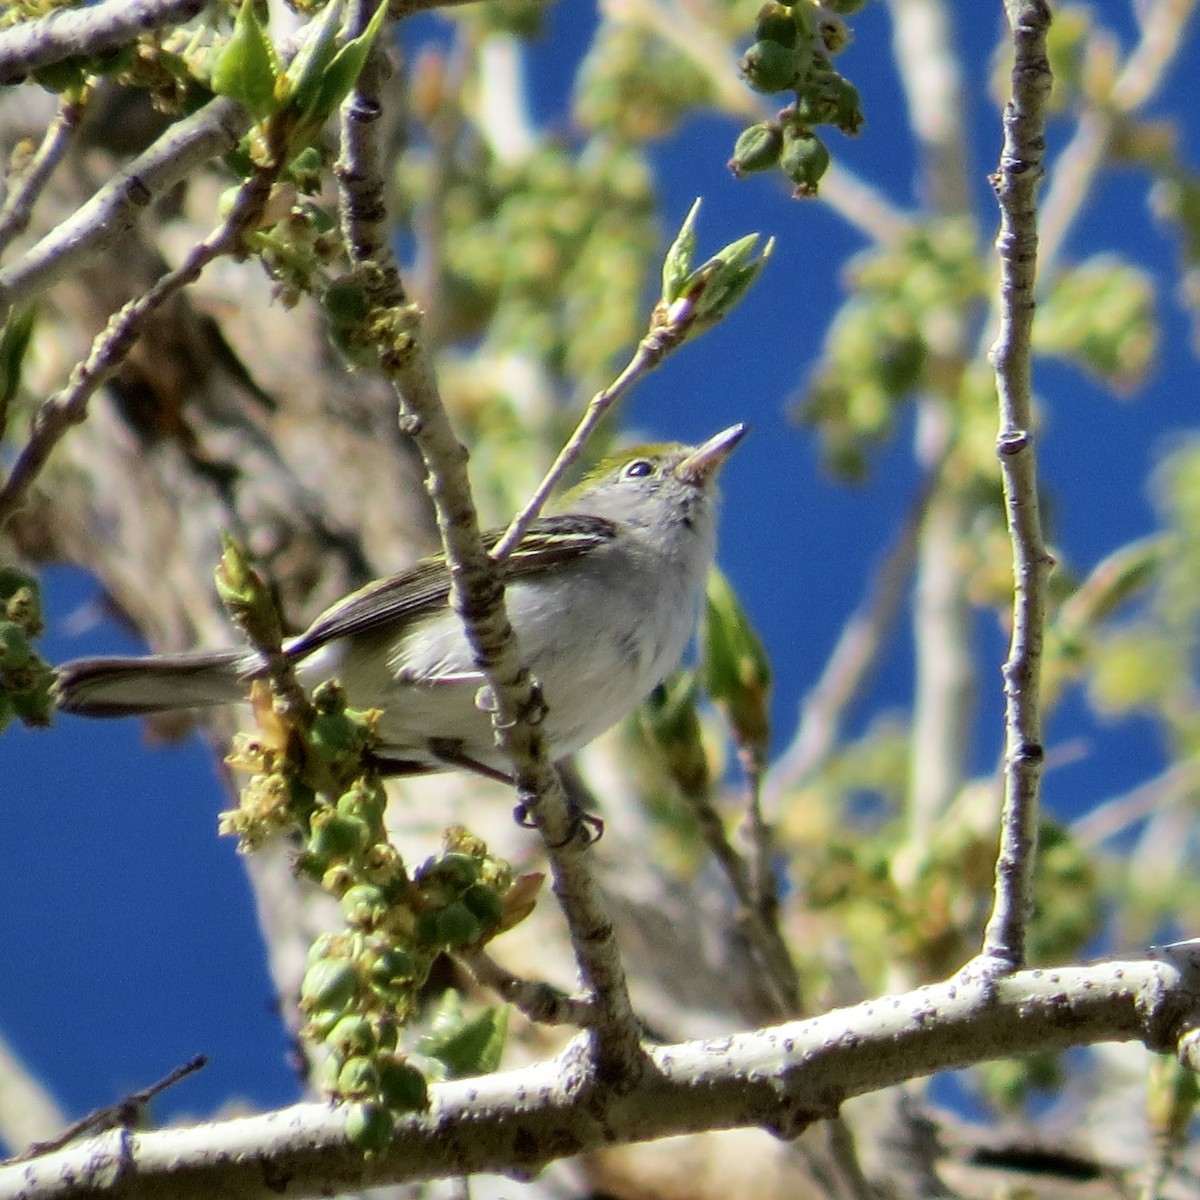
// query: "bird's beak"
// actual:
[[704, 462]]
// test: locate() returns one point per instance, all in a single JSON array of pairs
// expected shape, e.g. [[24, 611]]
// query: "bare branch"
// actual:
[[96, 225], [854, 657], [782, 1078], [67, 32], [477, 595], [1021, 167], [540, 1002], [25, 190], [127, 1111], [1164, 25], [69, 406]]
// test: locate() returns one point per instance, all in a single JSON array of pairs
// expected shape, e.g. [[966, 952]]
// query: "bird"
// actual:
[[603, 596]]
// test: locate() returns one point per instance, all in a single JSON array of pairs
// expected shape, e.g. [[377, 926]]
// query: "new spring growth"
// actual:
[[793, 51], [694, 300], [737, 673], [25, 677]]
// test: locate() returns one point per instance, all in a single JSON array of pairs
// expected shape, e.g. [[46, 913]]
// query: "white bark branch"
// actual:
[[65, 33], [781, 1079]]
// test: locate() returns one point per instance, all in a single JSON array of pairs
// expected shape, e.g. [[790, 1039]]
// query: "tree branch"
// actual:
[[1021, 168], [781, 1079], [109, 349], [65, 33], [18, 205], [97, 224], [477, 595]]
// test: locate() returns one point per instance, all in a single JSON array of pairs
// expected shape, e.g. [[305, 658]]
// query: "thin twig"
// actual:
[[1071, 179], [478, 597], [854, 657], [24, 191], [1021, 167], [763, 935], [126, 1113], [540, 1002], [104, 218], [66, 32], [69, 406], [1115, 816], [651, 350]]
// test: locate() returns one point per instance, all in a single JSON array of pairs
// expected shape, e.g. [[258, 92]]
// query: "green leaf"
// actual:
[[14, 344], [737, 672], [315, 54], [248, 69], [323, 90], [465, 1046], [677, 264]]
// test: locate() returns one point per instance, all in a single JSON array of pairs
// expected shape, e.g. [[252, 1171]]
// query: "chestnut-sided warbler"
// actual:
[[603, 598]]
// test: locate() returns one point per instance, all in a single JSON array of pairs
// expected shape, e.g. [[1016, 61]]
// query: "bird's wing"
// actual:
[[425, 587]]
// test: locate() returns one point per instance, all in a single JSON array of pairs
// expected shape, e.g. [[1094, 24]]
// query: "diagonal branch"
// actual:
[[102, 220], [1016, 183], [17, 209], [67, 32], [476, 592], [69, 406]]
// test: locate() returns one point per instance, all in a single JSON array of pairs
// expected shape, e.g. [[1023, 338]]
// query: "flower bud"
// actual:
[[804, 161], [485, 904], [329, 983], [352, 1035], [458, 926], [358, 1077], [775, 23], [756, 149], [402, 1086], [768, 67], [369, 1126], [363, 905]]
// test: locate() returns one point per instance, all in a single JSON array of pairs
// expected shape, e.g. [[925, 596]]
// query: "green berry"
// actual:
[[328, 984], [757, 149], [804, 161], [369, 1126], [768, 67]]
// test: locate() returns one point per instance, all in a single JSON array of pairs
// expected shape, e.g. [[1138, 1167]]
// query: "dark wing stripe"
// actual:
[[425, 586]]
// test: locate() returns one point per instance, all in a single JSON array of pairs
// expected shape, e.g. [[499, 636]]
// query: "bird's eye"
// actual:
[[638, 468]]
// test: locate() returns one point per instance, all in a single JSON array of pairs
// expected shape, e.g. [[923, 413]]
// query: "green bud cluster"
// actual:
[[362, 985], [297, 250], [793, 52], [894, 336], [312, 777], [26, 678]]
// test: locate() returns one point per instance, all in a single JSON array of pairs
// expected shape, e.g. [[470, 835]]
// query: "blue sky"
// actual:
[[129, 934]]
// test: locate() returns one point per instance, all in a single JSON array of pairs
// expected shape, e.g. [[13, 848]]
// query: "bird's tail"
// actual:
[[122, 687]]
